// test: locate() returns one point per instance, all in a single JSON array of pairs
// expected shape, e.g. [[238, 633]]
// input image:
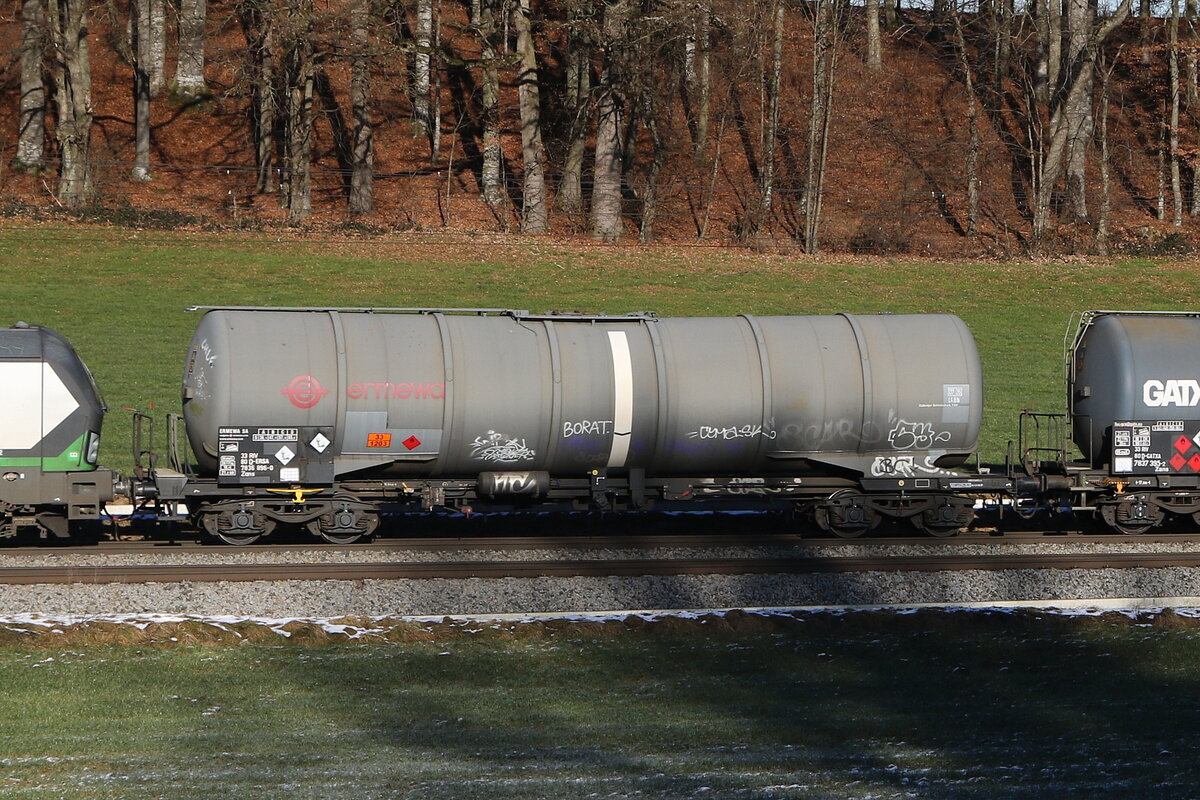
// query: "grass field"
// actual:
[[120, 297], [936, 705]]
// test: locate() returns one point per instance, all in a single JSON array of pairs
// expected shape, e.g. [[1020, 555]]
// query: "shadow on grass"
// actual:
[[930, 704]]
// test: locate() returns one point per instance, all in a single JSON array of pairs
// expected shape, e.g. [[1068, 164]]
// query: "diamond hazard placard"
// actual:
[[412, 443], [1158, 447]]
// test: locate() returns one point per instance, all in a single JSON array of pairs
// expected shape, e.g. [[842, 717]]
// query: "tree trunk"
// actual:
[[1078, 105], [766, 186], [259, 31], [31, 121], [492, 175], [874, 39], [435, 84], [578, 97], [1105, 187], [189, 82], [300, 75], [697, 76], [606, 221], [1145, 13], [422, 125], [1173, 123], [1049, 64], [140, 49], [972, 164], [533, 153], [824, 65], [703, 102], [362, 171], [152, 22], [73, 97], [1076, 89]]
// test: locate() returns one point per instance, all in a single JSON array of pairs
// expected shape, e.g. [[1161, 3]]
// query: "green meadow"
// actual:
[[944, 706]]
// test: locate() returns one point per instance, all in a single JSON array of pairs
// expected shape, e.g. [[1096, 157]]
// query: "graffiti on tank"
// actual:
[[210, 357], [740, 491], [515, 483], [915, 436], [731, 432], [587, 427], [835, 434], [904, 467], [498, 448]]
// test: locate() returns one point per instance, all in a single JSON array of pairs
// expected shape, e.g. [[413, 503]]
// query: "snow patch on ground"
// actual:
[[363, 627]]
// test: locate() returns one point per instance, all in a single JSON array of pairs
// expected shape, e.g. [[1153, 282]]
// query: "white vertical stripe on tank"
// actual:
[[622, 398]]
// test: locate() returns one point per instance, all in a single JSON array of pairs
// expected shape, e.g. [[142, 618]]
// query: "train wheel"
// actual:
[[344, 524], [945, 519], [240, 528], [1133, 515], [847, 515]]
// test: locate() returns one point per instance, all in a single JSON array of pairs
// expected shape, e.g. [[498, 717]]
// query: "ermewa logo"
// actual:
[[1172, 392], [304, 391]]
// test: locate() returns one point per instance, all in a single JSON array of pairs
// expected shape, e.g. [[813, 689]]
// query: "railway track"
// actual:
[[180, 573], [604, 542]]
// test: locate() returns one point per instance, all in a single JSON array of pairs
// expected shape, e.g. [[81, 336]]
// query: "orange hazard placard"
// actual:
[[379, 440]]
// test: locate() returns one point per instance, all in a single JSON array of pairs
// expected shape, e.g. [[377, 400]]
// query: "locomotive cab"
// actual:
[[50, 419]]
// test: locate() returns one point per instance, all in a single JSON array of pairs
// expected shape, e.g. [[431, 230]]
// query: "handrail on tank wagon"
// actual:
[[565, 316]]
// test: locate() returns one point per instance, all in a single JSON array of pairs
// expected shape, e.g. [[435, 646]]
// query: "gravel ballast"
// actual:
[[542, 595]]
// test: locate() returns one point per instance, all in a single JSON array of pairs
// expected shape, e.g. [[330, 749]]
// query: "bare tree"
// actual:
[[973, 144], [578, 105], [152, 23], [259, 28], [825, 50], [362, 196], [189, 81], [697, 74], [1173, 121], [299, 74], [1049, 47], [31, 120], [1075, 88], [1077, 106], [874, 40], [422, 117], [72, 70], [606, 221], [529, 98], [1105, 70], [770, 136], [492, 174], [141, 56]]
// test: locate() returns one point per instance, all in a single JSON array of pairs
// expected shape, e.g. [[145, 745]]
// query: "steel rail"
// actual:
[[596, 542], [545, 569]]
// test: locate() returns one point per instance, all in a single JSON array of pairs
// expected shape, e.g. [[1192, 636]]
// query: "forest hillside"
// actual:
[[991, 129]]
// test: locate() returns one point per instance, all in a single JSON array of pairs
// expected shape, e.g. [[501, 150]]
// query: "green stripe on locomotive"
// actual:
[[73, 459]]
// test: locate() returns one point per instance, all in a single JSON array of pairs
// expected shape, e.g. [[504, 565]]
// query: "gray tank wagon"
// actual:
[[1133, 401], [858, 416]]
